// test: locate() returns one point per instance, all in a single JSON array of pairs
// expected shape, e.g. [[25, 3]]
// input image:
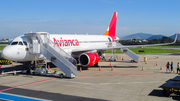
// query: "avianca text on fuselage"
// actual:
[[66, 42]]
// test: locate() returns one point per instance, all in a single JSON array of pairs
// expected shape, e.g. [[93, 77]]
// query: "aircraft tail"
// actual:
[[111, 31]]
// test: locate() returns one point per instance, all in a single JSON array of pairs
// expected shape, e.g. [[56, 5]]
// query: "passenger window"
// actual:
[[25, 43], [14, 43], [20, 43]]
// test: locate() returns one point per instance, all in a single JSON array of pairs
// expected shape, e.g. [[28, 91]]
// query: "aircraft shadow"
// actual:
[[87, 68], [124, 61], [7, 69], [119, 66], [21, 67]]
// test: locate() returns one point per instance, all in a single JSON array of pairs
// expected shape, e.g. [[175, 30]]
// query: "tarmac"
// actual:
[[129, 81]]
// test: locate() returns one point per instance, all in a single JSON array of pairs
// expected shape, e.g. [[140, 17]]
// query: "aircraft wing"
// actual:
[[124, 39], [120, 46]]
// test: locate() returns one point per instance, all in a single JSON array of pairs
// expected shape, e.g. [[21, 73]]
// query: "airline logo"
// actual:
[[66, 42]]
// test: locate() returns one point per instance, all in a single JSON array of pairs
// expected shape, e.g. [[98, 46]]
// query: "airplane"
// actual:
[[86, 49]]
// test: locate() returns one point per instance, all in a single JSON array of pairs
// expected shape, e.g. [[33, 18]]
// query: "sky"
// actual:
[[88, 16]]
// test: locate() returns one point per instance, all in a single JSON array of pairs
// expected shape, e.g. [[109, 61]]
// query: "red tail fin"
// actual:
[[111, 31]]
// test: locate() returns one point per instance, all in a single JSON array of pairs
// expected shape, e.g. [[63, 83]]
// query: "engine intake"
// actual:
[[88, 59]]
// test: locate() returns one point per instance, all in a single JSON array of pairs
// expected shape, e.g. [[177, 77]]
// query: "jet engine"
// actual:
[[88, 59]]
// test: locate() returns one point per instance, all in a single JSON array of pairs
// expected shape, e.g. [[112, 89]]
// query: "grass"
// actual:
[[170, 46], [1, 47], [148, 50], [153, 50]]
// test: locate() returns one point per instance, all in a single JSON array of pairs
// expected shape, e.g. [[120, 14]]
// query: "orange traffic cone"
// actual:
[[161, 68], [100, 68], [156, 64], [110, 64], [12, 64], [80, 69], [112, 69], [142, 68], [146, 62], [49, 67]]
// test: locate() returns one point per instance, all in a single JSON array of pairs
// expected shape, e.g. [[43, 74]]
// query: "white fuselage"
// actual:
[[80, 41], [17, 50]]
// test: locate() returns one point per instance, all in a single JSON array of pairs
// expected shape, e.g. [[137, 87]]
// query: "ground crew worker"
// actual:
[[177, 67], [172, 65], [167, 67]]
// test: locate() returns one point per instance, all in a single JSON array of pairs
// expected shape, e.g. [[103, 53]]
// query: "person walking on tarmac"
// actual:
[[172, 65], [177, 67], [167, 67]]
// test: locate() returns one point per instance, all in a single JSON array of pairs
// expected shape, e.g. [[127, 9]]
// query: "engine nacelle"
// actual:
[[88, 59]]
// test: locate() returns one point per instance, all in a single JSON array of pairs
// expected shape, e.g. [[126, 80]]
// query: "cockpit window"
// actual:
[[20, 43], [25, 43], [14, 43]]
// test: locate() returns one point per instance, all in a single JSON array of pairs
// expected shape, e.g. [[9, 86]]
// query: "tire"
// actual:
[[61, 76]]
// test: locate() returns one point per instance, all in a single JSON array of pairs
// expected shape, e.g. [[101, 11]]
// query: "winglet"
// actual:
[[176, 37], [111, 31]]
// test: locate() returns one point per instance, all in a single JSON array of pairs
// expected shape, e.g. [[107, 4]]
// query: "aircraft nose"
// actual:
[[6, 53]]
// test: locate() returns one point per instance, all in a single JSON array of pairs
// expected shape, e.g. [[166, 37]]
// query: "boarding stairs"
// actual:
[[127, 51], [41, 44]]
